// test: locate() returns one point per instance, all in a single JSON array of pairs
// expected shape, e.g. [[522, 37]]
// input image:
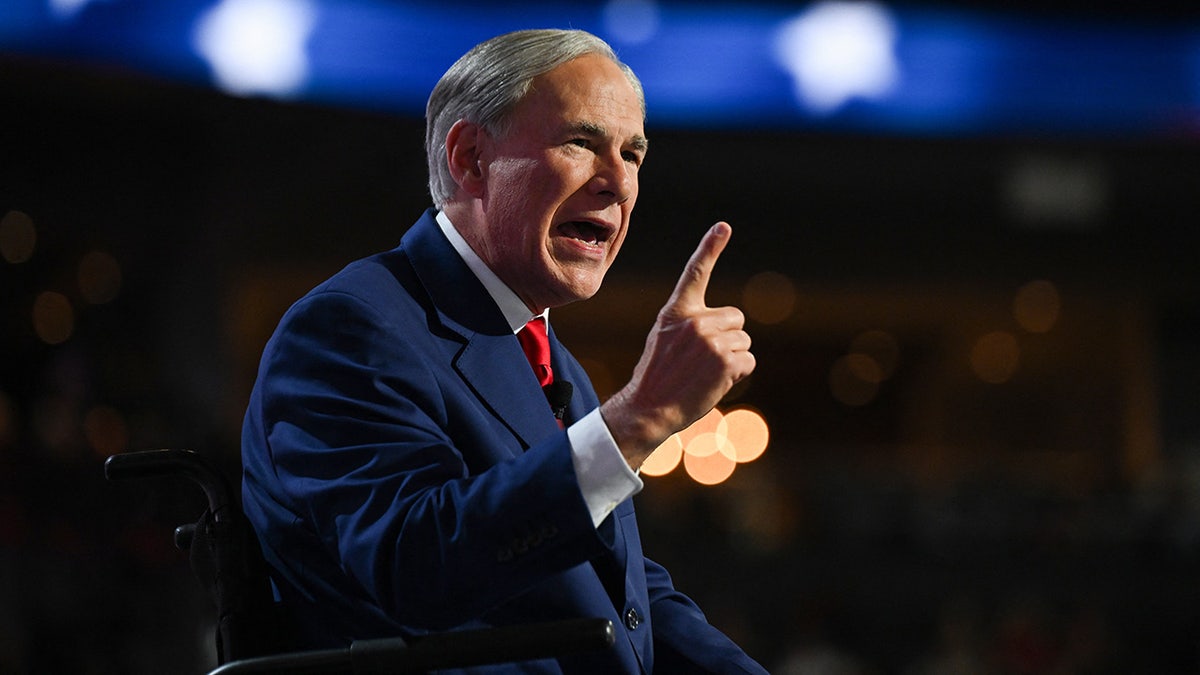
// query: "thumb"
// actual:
[[693, 283]]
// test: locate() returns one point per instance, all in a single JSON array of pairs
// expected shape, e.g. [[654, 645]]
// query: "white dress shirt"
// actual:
[[605, 478]]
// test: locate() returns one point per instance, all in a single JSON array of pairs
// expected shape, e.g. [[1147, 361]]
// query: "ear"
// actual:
[[464, 150]]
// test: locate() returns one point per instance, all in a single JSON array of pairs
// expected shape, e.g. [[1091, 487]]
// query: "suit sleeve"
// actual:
[[411, 492]]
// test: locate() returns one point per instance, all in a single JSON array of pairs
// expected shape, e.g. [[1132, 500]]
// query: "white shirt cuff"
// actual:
[[604, 476]]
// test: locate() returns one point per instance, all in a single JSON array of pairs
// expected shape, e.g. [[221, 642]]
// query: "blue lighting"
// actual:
[[889, 69]]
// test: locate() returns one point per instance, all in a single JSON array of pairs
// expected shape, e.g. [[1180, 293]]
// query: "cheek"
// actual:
[[617, 242], [532, 196], [627, 216]]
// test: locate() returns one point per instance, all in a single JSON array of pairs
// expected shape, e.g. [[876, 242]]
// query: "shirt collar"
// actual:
[[514, 310]]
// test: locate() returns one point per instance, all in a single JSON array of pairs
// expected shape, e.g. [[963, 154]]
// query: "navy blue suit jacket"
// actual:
[[405, 474]]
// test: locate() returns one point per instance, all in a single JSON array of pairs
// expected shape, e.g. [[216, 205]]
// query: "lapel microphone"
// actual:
[[558, 394]]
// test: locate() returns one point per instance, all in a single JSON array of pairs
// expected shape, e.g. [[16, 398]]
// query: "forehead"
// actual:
[[591, 89]]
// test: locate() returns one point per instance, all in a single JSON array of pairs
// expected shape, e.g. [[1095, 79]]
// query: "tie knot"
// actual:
[[536, 345]]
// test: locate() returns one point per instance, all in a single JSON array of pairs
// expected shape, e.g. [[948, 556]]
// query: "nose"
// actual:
[[614, 178]]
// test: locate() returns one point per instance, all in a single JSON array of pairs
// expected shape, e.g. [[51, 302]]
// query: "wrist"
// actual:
[[636, 431]]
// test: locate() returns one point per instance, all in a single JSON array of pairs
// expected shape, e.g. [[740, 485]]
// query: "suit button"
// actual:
[[632, 619]]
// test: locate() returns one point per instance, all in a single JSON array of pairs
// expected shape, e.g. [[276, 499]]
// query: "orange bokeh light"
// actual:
[[847, 382], [665, 457], [53, 317], [1037, 306], [748, 434], [995, 356], [709, 443], [712, 423], [712, 447], [709, 470]]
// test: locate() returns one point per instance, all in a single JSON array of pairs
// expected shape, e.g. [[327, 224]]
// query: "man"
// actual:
[[403, 468]]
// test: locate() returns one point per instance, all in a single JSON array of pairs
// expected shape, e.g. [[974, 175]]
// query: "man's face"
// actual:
[[561, 184]]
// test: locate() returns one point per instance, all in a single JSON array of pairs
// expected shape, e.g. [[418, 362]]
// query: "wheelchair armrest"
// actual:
[[454, 649], [173, 462]]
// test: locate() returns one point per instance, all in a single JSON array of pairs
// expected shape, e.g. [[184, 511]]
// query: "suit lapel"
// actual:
[[583, 398], [495, 368], [490, 361]]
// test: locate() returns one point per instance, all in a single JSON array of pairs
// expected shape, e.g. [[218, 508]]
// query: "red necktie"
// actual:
[[536, 344]]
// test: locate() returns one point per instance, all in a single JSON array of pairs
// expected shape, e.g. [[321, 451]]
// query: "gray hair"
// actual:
[[489, 81]]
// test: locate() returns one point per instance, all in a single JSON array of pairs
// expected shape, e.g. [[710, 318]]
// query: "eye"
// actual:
[[634, 158], [578, 142]]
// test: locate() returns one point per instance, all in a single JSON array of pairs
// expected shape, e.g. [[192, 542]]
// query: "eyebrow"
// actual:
[[637, 142]]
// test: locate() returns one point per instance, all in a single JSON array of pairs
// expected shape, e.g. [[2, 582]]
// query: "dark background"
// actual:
[[1050, 523]]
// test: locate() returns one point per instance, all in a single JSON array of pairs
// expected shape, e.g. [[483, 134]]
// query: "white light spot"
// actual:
[[256, 46], [66, 9], [632, 21], [1054, 192], [836, 51]]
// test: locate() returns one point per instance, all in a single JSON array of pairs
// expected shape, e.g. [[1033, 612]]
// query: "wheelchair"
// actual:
[[252, 635]]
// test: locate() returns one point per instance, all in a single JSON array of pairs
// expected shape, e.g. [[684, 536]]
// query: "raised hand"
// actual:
[[693, 356]]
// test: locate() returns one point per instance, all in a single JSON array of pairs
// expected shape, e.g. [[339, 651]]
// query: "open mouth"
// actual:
[[587, 232]]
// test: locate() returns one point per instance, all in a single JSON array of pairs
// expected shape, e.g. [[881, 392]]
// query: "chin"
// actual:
[[575, 292]]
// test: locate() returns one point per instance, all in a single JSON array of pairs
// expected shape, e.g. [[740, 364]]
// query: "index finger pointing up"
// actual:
[[693, 283]]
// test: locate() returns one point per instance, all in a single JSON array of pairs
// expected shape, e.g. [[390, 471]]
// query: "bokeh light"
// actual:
[[703, 445], [712, 447], [53, 318], [1036, 306], [18, 237], [994, 357], [883, 349], [769, 297], [99, 277], [54, 421], [840, 51], [854, 379], [864, 367], [708, 469], [106, 431], [711, 423], [665, 457], [257, 46], [749, 434], [632, 21]]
